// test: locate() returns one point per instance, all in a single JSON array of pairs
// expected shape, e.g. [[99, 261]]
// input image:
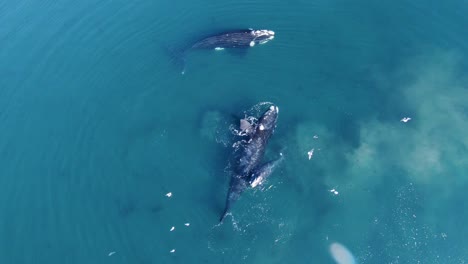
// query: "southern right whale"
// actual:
[[247, 169], [260, 174], [240, 39]]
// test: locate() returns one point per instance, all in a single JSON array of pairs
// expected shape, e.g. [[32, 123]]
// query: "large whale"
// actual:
[[247, 170], [243, 38], [240, 39]]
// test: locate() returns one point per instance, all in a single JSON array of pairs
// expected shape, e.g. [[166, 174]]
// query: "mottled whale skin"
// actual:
[[247, 165]]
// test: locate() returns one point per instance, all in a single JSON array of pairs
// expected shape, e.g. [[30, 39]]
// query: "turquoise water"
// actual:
[[97, 125]]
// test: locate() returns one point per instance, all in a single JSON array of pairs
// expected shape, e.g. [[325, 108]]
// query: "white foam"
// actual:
[[266, 40], [252, 43], [169, 194], [218, 48], [261, 127], [172, 228]]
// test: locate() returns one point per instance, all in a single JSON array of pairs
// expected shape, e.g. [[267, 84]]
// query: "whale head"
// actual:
[[268, 120], [261, 36]]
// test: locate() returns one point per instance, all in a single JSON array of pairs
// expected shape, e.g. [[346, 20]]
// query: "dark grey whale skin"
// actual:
[[250, 157], [235, 39], [229, 39]]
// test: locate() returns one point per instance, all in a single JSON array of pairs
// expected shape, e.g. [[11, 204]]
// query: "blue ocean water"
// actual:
[[97, 125]]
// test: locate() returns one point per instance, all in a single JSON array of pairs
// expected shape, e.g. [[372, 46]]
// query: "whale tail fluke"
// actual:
[[178, 57], [221, 219]]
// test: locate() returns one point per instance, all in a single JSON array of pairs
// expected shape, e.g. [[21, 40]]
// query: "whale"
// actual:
[[233, 39], [260, 174], [248, 170], [243, 38]]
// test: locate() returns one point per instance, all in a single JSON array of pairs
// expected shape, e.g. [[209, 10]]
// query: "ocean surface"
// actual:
[[97, 125]]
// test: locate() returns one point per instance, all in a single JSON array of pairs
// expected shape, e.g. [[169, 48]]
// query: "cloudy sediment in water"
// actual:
[[105, 146]]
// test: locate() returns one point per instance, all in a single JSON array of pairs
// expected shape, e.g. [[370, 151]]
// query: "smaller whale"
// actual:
[[235, 39], [260, 174]]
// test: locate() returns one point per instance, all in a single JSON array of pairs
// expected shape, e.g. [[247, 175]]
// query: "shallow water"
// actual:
[[97, 125]]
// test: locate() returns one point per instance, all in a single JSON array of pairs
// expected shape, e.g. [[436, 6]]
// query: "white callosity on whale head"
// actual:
[[269, 33], [263, 32], [264, 35]]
